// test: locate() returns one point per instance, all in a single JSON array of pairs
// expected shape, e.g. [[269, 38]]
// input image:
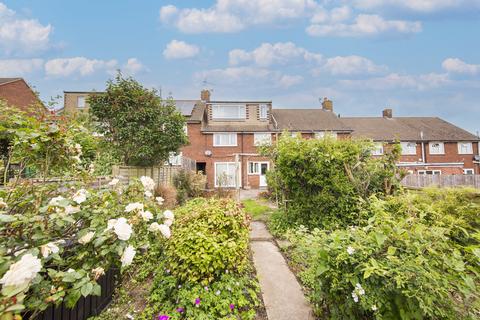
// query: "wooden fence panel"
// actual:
[[443, 181]]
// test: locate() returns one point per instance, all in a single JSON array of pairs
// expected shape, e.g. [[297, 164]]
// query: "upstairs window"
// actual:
[[234, 112], [409, 148], [81, 102], [377, 149], [436, 148], [224, 139], [263, 112], [262, 138], [465, 148]]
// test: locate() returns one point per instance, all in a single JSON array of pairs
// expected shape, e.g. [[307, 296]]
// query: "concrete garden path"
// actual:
[[282, 294]]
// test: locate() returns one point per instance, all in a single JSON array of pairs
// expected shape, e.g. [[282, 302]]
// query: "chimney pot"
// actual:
[[327, 104], [387, 113], [205, 95]]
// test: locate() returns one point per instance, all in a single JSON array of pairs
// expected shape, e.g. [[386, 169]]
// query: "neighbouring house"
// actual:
[[17, 93], [224, 137], [429, 145], [75, 102]]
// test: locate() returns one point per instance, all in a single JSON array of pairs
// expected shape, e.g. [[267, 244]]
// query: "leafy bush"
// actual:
[[57, 240], [324, 181], [211, 236], [189, 185], [401, 264]]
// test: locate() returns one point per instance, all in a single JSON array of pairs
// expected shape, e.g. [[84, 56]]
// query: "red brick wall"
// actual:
[[19, 94]]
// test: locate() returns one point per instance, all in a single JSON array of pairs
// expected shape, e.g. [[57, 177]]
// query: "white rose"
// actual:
[[168, 215], [55, 202], [134, 206], [148, 194], [168, 222], [80, 196], [113, 182], [71, 209], [160, 200], [86, 238], [110, 224], [154, 227], [148, 183], [146, 215], [127, 256], [22, 272], [165, 230], [48, 249], [122, 229]]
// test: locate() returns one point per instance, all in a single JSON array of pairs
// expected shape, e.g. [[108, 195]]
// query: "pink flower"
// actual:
[[197, 302], [163, 317], [180, 310], [232, 306]]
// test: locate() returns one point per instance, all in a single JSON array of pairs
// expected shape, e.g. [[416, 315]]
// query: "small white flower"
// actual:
[[3, 204], [113, 182], [350, 250], [374, 308], [148, 194], [87, 237], [48, 249], [55, 202], [70, 270], [122, 229], [97, 272], [80, 196], [134, 206], [22, 272], [165, 230], [217, 292], [146, 215], [359, 289], [167, 214], [160, 200], [127, 256], [354, 296], [91, 168], [77, 159], [78, 148], [148, 183], [168, 222], [71, 209]]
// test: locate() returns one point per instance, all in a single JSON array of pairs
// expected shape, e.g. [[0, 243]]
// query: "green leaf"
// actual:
[[86, 289], [380, 237]]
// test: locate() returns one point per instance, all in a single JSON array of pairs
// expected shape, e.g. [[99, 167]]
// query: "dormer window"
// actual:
[[229, 112], [263, 112], [437, 148]]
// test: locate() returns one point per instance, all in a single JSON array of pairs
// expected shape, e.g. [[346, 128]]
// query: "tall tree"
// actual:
[[142, 127]]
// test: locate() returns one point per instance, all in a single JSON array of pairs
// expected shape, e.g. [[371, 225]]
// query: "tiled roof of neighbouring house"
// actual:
[[8, 80], [239, 128], [308, 120], [406, 129]]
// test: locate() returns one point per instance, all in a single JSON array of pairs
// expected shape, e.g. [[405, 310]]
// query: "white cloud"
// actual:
[[19, 35], [234, 15], [133, 66], [350, 65], [64, 67], [365, 25], [268, 54], [286, 81], [19, 67], [398, 81], [180, 50], [335, 15], [423, 6], [455, 65]]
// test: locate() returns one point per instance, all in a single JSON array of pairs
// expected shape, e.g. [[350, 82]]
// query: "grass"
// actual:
[[258, 209]]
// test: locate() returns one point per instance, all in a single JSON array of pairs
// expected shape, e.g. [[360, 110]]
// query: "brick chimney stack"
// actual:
[[205, 95], [327, 104], [387, 113]]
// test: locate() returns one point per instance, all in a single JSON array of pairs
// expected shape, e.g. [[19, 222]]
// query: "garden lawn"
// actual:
[[258, 209]]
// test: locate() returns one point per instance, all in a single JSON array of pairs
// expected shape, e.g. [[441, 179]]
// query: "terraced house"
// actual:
[[224, 137]]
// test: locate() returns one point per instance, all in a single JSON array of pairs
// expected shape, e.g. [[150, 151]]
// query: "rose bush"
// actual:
[[57, 240]]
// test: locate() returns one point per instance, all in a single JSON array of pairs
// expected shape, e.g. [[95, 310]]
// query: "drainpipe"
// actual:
[[423, 147]]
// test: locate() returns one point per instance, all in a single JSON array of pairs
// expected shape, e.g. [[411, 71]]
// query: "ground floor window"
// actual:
[[225, 174], [468, 171], [253, 168], [429, 172]]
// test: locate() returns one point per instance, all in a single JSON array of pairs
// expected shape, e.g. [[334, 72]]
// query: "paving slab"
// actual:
[[281, 292], [258, 231]]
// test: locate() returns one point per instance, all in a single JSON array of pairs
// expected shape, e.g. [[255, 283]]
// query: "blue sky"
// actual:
[[421, 58]]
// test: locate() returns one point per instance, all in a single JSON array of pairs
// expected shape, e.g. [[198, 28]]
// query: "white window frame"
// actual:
[[241, 113], [469, 171], [323, 134], [258, 141], [255, 166], [175, 159], [433, 172], [441, 145], [263, 111], [235, 178], [232, 141], [378, 149], [408, 148], [469, 145], [83, 103]]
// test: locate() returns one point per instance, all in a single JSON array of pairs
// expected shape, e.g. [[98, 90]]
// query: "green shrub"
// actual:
[[324, 181], [210, 237], [400, 265], [189, 185]]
